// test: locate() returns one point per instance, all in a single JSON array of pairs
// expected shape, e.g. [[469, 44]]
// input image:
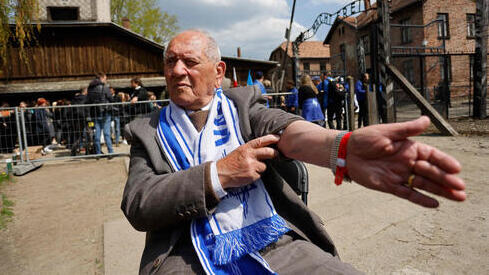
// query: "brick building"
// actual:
[[347, 33], [314, 58]]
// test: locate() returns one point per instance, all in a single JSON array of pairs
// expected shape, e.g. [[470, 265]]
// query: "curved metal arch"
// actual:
[[326, 18]]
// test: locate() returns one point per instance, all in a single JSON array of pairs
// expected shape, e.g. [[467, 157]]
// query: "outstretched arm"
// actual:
[[382, 158]]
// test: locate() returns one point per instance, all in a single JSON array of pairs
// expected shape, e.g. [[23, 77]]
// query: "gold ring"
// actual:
[[411, 180]]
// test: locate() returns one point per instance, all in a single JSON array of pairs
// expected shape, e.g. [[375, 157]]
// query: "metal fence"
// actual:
[[31, 136], [39, 134]]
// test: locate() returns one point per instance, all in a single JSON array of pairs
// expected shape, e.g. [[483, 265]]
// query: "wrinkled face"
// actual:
[[190, 76]]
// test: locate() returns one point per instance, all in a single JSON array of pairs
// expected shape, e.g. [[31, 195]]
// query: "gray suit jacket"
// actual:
[[161, 202]]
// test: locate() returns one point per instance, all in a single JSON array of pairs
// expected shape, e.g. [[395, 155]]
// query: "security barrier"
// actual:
[[31, 136]]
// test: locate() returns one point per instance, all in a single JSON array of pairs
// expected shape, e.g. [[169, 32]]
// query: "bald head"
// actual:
[[203, 40]]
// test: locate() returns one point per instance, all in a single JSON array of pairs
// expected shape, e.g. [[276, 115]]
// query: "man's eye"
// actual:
[[170, 61], [191, 63]]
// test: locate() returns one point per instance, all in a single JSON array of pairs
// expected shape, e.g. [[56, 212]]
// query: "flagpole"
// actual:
[[235, 78]]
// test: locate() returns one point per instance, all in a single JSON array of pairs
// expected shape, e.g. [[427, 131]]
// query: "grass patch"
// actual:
[[6, 205], [6, 212]]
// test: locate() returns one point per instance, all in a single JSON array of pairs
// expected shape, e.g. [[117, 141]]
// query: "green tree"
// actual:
[[146, 18], [17, 20]]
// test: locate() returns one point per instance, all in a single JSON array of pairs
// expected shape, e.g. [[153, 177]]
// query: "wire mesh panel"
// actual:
[[8, 131], [77, 130]]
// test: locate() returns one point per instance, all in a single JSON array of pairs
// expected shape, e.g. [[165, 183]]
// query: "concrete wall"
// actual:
[[90, 10]]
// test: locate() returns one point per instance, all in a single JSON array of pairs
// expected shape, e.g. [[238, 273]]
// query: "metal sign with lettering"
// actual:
[[325, 18]]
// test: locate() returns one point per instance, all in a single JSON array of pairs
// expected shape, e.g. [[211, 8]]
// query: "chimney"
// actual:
[[367, 4], [126, 23], [239, 52], [102, 10]]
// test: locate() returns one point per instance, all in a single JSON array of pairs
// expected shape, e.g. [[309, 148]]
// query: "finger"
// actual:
[[437, 175], [414, 196], [256, 176], [264, 141], [260, 167], [265, 153], [429, 186], [400, 131], [439, 158]]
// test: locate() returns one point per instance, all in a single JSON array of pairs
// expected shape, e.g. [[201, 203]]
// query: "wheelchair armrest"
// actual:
[[295, 173]]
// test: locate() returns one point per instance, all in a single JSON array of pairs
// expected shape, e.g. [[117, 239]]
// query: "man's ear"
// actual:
[[221, 71]]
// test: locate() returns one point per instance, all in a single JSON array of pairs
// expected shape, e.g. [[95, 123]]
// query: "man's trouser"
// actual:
[[103, 123]]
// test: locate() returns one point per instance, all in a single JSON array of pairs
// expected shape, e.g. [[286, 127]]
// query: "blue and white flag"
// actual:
[[250, 80], [245, 221]]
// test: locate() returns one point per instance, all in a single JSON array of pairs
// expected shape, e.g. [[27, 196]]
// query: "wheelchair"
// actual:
[[295, 173]]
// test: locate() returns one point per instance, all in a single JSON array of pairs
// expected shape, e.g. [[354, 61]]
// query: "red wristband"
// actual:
[[341, 170]]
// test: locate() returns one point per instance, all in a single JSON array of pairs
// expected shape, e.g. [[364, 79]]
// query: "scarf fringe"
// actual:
[[231, 246]]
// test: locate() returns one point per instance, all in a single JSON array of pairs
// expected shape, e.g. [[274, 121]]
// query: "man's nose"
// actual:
[[179, 68]]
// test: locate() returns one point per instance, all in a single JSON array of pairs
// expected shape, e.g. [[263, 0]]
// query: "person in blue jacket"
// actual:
[[259, 77], [361, 88], [292, 100], [323, 89], [308, 101]]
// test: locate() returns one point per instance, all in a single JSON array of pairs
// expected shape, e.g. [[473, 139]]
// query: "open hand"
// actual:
[[244, 165], [382, 158]]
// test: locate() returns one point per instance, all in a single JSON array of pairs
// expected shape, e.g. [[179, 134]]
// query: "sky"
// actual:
[[257, 26]]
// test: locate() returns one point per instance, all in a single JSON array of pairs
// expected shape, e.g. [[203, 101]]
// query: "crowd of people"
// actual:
[[64, 124], [321, 100], [324, 99]]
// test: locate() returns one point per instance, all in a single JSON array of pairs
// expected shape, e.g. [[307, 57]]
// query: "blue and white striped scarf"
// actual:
[[245, 221]]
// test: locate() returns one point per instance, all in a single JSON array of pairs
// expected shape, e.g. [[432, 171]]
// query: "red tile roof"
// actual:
[[309, 49]]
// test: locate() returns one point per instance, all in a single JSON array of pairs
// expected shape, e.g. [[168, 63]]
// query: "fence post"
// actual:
[[351, 105], [19, 136], [26, 165], [480, 59], [373, 112], [22, 120], [385, 56]]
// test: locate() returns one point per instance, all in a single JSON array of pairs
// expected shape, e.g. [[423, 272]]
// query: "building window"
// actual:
[[442, 68], [443, 27], [342, 52], [322, 67], [470, 25], [307, 66], [366, 44], [63, 13], [405, 32], [408, 68]]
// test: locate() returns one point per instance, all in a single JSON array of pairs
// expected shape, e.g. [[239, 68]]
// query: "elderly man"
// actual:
[[202, 184]]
